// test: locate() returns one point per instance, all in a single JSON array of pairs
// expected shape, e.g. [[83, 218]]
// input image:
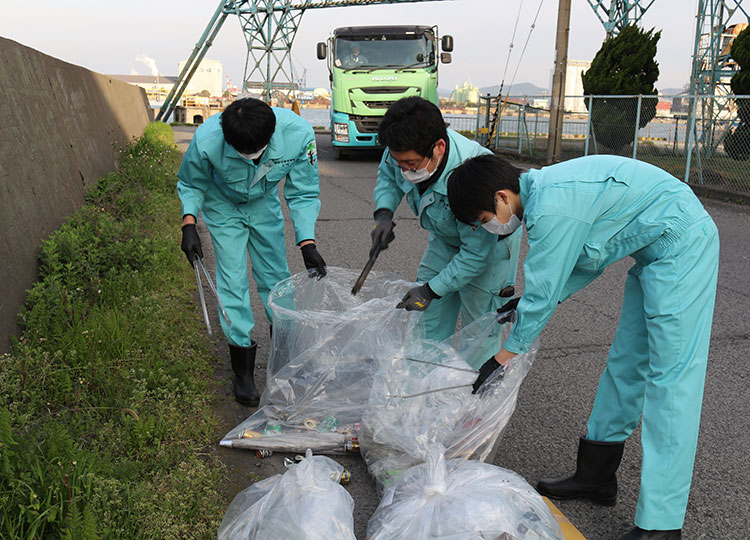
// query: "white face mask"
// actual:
[[254, 155], [495, 226], [417, 176]]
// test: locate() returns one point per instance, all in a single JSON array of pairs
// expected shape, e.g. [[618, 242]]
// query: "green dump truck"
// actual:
[[370, 67]]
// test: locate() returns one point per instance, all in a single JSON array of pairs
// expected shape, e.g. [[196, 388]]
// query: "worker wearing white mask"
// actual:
[[465, 269], [583, 215]]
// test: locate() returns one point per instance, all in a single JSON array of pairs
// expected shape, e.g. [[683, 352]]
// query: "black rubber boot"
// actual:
[[243, 366], [594, 477], [640, 534]]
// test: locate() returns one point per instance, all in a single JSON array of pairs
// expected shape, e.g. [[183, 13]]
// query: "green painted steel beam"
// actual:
[[616, 14]]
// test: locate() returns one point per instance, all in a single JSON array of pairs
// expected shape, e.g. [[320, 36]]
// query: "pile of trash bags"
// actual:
[[461, 500], [305, 503], [354, 374]]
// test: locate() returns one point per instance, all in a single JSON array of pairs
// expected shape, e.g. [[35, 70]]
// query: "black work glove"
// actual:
[[417, 298], [487, 369], [507, 313], [191, 243], [316, 266], [382, 234]]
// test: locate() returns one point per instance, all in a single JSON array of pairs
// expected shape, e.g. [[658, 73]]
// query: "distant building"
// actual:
[[664, 108], [466, 94], [209, 77], [157, 87], [574, 85]]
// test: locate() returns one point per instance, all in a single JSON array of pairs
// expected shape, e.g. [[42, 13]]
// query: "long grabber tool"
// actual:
[[200, 294], [213, 290], [371, 262]]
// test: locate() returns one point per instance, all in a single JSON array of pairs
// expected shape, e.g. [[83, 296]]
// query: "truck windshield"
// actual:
[[374, 52]]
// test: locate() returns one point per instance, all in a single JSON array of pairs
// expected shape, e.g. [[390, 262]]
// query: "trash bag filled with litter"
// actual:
[[305, 503], [461, 500], [422, 398], [327, 346]]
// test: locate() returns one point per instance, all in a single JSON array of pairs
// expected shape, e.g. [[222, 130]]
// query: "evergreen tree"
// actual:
[[624, 65], [737, 143]]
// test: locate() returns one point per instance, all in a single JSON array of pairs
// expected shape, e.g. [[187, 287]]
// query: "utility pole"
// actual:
[[554, 141]]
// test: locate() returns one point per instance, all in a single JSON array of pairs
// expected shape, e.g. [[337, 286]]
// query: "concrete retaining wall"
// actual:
[[60, 125]]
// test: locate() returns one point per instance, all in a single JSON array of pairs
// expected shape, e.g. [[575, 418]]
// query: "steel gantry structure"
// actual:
[[711, 94], [619, 13], [269, 27]]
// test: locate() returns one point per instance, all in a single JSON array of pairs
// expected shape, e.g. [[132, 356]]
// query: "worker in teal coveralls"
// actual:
[[583, 215], [231, 173], [465, 269]]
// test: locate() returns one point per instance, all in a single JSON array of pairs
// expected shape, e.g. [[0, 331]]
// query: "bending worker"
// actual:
[[230, 173], [583, 215], [465, 269]]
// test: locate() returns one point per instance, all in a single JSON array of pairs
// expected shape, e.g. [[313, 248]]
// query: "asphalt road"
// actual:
[[556, 397]]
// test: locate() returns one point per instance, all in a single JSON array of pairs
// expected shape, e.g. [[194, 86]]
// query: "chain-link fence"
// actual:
[[656, 129]]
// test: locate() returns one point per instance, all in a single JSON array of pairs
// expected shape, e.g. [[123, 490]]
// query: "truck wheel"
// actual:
[[339, 153]]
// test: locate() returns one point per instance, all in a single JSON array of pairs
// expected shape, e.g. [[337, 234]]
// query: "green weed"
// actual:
[[105, 418]]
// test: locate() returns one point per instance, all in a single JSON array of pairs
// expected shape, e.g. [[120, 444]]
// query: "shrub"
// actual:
[[624, 65]]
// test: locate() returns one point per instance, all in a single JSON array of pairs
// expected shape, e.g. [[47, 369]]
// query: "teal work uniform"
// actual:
[[240, 204], [466, 266], [585, 214]]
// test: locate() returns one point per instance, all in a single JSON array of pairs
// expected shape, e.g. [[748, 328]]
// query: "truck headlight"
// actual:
[[341, 131]]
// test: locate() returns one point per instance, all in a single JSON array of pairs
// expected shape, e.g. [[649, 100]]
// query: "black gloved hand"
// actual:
[[417, 298], [316, 266], [507, 313], [382, 234], [487, 369], [191, 242]]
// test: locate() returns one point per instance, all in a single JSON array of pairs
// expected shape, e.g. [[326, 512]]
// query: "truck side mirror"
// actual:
[[322, 51], [448, 43], [445, 58]]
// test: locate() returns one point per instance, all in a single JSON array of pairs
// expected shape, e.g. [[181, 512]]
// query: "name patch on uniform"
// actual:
[[312, 153]]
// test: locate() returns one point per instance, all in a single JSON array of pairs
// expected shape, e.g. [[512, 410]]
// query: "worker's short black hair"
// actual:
[[248, 124], [473, 184], [412, 123]]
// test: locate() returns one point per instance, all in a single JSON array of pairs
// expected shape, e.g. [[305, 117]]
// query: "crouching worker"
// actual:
[[465, 269], [583, 215], [230, 173]]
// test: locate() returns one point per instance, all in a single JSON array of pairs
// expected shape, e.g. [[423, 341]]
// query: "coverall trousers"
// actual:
[[473, 300], [255, 228], [656, 369]]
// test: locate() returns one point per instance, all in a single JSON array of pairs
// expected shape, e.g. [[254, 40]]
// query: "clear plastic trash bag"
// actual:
[[415, 406], [305, 503], [327, 345], [461, 500]]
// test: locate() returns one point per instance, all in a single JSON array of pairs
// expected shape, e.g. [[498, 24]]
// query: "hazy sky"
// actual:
[[110, 36]]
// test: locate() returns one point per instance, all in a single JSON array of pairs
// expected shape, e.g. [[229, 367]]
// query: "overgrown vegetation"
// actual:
[[623, 66], [105, 418]]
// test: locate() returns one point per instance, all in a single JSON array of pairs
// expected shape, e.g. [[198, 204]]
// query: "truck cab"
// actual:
[[370, 67]]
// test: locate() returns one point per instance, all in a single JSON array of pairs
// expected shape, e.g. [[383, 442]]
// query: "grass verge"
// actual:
[[105, 419]]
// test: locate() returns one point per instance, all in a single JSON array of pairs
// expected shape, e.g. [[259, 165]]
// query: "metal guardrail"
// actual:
[[699, 139]]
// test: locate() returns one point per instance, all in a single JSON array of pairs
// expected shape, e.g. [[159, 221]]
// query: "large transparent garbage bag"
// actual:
[[326, 347], [305, 503], [461, 500], [423, 398]]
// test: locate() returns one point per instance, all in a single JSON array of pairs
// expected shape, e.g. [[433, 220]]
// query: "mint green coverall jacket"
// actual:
[[467, 266], [241, 207], [585, 214]]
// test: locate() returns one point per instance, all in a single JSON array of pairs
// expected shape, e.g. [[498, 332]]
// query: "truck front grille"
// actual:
[[366, 124]]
